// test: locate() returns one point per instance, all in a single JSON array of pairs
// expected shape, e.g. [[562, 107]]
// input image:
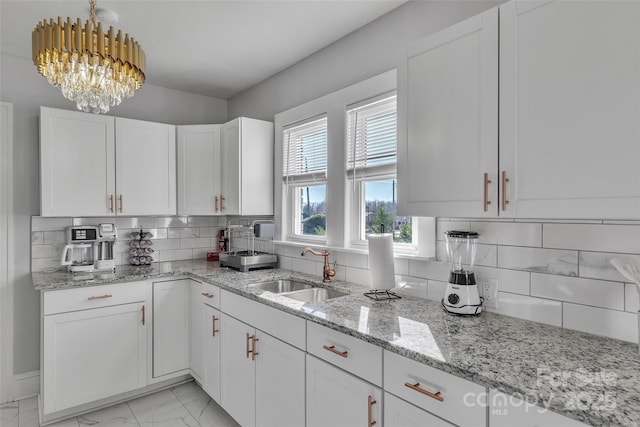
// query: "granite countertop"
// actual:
[[589, 378]]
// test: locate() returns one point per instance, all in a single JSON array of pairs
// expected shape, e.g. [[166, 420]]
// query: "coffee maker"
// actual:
[[461, 295], [107, 235], [80, 252]]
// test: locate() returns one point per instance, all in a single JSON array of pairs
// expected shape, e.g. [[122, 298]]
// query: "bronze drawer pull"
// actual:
[[99, 297], [213, 326], [332, 349], [419, 389], [207, 294], [505, 202], [370, 412], [486, 201], [143, 315]]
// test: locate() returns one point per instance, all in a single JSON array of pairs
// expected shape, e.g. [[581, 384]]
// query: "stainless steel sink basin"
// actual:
[[281, 286], [314, 295]]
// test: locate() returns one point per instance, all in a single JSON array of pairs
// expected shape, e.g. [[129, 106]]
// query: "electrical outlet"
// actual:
[[489, 291]]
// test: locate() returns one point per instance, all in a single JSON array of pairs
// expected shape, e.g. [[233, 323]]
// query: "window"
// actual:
[[305, 175], [371, 165]]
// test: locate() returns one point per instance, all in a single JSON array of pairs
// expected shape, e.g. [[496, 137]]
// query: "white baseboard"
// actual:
[[25, 385]]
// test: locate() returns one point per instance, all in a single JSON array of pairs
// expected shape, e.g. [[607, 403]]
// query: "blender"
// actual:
[[461, 295]]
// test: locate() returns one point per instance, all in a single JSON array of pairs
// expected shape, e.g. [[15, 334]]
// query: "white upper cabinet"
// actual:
[[448, 121], [569, 109], [246, 170], [94, 165], [77, 163], [199, 170], [145, 167]]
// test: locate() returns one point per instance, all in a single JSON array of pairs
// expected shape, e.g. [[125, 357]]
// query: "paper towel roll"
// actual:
[[381, 267]]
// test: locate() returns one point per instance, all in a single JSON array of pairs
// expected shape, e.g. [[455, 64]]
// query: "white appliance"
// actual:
[[461, 295], [80, 251], [107, 235]]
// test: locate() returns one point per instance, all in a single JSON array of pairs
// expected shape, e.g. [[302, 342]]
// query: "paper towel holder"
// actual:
[[382, 294]]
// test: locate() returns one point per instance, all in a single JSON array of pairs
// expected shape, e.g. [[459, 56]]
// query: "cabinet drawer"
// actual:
[[210, 295], [454, 399], [65, 300], [284, 326], [351, 354]]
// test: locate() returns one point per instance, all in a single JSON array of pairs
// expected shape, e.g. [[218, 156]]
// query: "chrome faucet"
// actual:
[[327, 272]]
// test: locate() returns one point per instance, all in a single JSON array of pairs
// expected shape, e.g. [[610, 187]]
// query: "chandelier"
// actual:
[[95, 69]]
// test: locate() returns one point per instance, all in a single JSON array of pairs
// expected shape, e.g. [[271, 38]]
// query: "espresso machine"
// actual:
[[107, 235], [79, 254], [461, 295]]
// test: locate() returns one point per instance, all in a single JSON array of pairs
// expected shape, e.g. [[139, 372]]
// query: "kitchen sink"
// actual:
[[314, 295], [281, 286]]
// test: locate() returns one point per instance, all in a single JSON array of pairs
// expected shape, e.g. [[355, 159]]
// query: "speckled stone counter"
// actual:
[[585, 377]]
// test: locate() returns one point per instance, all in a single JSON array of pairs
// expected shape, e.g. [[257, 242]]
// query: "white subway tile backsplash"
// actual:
[[40, 264], [611, 323], [199, 242], [401, 266], [173, 255], [436, 289], [303, 265], [596, 265], [37, 238], [486, 255], [593, 237], [284, 262], [548, 261], [50, 237], [182, 233], [166, 244], [49, 224], [134, 222], [411, 286], [42, 251], [171, 221], [354, 259], [443, 225], [529, 308], [578, 290], [513, 281], [631, 298], [509, 233], [432, 270], [202, 221], [94, 220], [357, 275], [209, 232]]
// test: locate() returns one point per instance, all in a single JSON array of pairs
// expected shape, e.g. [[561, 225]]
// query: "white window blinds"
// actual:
[[371, 135], [305, 151]]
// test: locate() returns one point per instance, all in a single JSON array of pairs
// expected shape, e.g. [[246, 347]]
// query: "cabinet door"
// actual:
[[145, 168], [211, 345], [93, 354], [280, 377], [509, 411], [230, 167], [569, 109], [256, 155], [398, 413], [77, 172], [448, 121], [199, 170], [238, 383], [196, 331], [170, 327], [336, 398]]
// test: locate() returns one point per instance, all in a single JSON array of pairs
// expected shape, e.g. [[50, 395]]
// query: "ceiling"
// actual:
[[214, 48]]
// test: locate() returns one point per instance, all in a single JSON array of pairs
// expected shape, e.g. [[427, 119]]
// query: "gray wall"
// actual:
[[21, 85], [371, 50]]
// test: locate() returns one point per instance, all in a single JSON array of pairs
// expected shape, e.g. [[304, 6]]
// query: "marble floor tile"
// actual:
[[189, 392], [118, 415], [28, 404], [29, 418], [71, 422], [162, 409], [9, 414], [209, 414]]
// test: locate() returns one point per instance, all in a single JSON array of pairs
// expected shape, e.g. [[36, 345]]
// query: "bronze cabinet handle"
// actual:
[[99, 297], [505, 202], [207, 294], [332, 349], [371, 402], [254, 353], [120, 203], [216, 203], [248, 351], [419, 389], [143, 315], [222, 199], [486, 201], [111, 203], [213, 326]]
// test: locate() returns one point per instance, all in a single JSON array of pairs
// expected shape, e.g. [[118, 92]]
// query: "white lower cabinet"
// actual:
[[196, 332], [211, 350], [92, 350], [262, 377], [338, 399], [170, 327], [509, 411], [398, 413]]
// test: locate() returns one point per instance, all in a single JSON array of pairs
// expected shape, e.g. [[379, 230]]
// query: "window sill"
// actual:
[[400, 255]]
